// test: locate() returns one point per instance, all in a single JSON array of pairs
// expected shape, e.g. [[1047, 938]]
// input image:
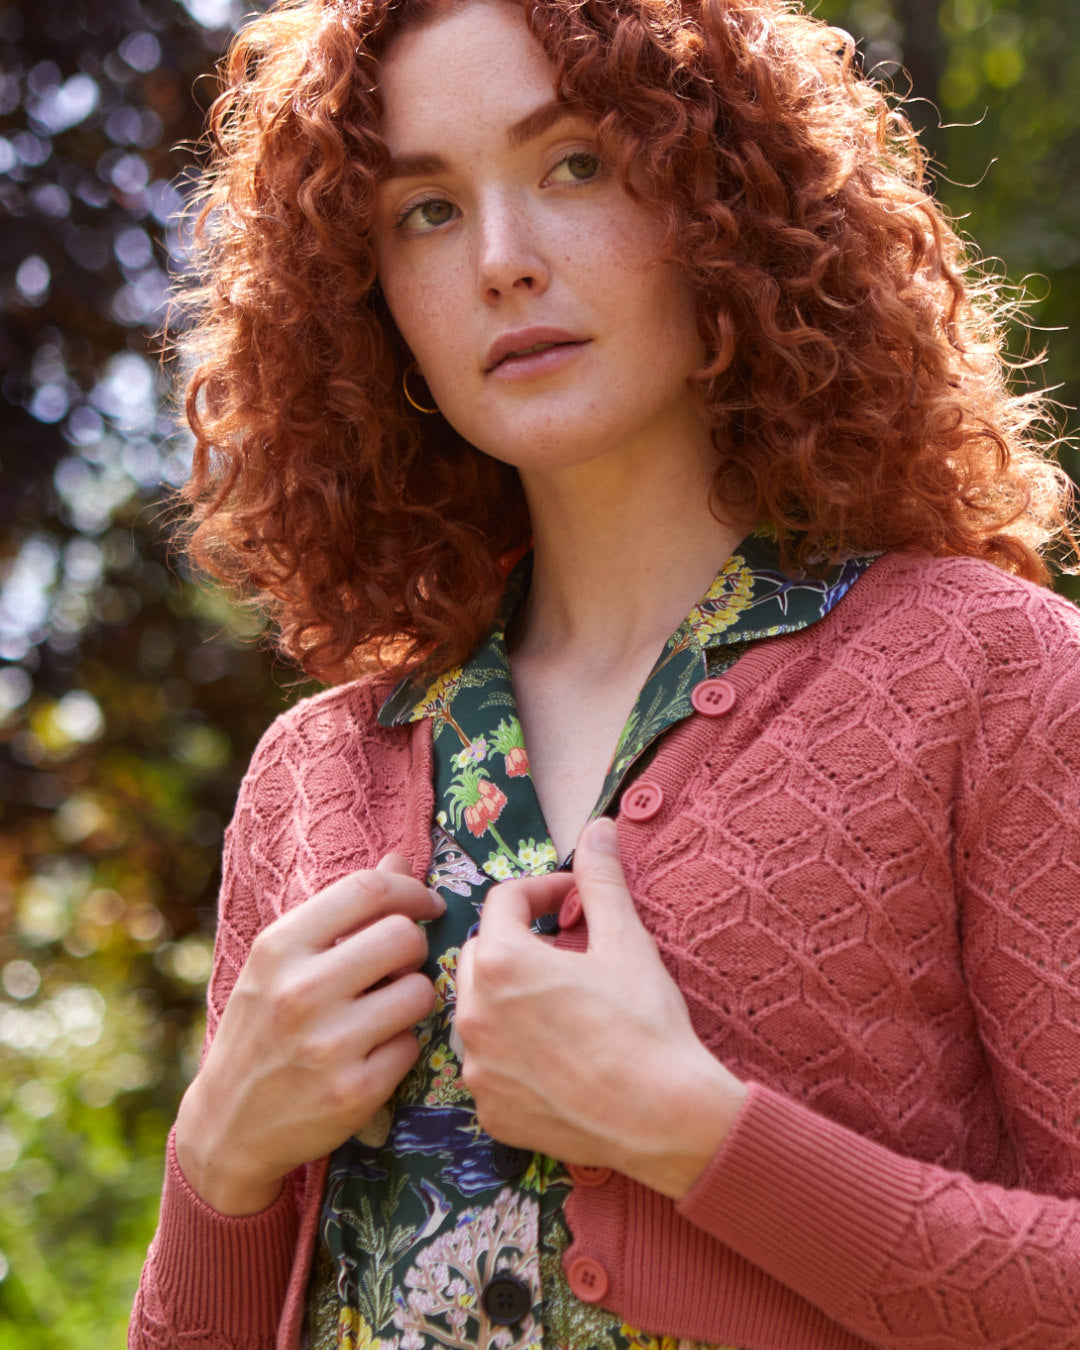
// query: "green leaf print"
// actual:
[[382, 1246]]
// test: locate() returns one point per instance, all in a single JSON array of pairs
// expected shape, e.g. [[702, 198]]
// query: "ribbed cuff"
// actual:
[[814, 1204], [219, 1273]]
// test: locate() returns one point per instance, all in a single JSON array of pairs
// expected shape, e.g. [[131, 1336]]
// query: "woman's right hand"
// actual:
[[311, 1043]]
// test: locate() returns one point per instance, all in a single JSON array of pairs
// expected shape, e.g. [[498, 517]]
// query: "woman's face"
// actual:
[[523, 278]]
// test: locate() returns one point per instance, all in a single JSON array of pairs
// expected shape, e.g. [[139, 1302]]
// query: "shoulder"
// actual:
[[982, 617], [959, 586], [322, 720], [330, 739], [328, 791], [355, 704], [926, 644]]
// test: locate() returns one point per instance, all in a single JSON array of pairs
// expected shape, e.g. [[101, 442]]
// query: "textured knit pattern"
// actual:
[[866, 880]]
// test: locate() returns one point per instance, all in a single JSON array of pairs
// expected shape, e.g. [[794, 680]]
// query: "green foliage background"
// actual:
[[130, 699]]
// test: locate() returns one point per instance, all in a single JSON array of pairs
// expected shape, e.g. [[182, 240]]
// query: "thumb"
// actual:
[[601, 884], [394, 862]]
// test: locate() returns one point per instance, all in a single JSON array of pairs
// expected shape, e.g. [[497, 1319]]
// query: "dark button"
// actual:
[[507, 1162], [589, 1176], [588, 1279], [570, 909], [506, 1300], [642, 800], [547, 924], [714, 697]]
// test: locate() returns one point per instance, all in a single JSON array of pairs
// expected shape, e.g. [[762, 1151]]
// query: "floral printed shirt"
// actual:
[[431, 1233]]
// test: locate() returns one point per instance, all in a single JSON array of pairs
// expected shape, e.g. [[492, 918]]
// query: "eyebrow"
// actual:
[[530, 126], [538, 121]]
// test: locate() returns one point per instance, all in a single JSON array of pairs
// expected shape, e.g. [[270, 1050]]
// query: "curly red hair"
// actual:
[[855, 387]]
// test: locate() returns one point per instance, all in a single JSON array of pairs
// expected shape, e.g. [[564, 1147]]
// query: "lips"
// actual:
[[527, 342]]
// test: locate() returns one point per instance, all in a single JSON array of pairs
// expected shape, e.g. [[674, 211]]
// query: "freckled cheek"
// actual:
[[424, 318]]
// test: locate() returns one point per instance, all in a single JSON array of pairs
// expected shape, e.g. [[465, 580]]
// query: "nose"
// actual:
[[511, 257]]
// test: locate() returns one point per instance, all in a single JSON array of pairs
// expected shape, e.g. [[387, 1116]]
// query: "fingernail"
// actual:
[[604, 835], [440, 903]]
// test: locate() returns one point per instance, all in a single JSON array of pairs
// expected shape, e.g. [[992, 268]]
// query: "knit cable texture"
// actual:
[[866, 880]]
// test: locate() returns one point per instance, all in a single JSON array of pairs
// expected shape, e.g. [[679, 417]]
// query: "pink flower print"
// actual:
[[517, 762], [476, 798], [441, 1297], [476, 819], [509, 740], [492, 800]]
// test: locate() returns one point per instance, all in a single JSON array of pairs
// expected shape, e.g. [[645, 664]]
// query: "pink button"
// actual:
[[588, 1279], [589, 1176], [570, 909], [713, 697], [641, 801]]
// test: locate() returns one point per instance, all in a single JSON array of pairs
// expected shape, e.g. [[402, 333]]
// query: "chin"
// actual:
[[546, 456], [551, 438]]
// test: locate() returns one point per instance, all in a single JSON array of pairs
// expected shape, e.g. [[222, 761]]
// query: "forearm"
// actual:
[[221, 1279], [670, 1151], [895, 1250], [219, 1177]]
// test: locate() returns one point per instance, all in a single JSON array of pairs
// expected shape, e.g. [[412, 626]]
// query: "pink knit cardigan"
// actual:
[[866, 880]]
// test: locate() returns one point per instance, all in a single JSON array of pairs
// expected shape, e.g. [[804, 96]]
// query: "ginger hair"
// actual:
[[856, 385]]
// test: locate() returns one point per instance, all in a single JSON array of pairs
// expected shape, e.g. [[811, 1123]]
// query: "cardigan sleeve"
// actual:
[[213, 1281], [902, 1252]]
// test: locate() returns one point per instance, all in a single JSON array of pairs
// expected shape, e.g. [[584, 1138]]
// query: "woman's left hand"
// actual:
[[588, 1056]]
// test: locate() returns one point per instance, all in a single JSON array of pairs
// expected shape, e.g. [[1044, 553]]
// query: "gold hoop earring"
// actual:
[[405, 385]]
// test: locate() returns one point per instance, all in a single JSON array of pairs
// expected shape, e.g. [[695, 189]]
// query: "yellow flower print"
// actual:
[[474, 753], [640, 1340], [535, 1177], [440, 691], [538, 857], [500, 867], [354, 1332], [730, 594], [446, 980], [445, 1088]]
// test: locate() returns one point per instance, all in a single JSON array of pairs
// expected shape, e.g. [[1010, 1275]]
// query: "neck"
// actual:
[[621, 555]]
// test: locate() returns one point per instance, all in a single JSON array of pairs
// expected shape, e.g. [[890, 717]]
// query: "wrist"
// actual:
[[704, 1099], [221, 1179]]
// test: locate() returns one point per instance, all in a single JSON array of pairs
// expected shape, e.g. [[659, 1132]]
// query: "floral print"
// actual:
[[474, 798], [509, 740], [418, 1212], [730, 595], [439, 1302], [451, 869]]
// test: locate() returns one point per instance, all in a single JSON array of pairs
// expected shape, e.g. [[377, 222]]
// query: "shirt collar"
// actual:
[[751, 598]]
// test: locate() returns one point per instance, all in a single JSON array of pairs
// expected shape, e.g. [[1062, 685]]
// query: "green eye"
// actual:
[[578, 167], [583, 165], [427, 215], [436, 213]]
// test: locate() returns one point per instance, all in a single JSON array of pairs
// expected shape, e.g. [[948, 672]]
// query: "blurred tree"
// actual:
[[129, 699], [993, 84]]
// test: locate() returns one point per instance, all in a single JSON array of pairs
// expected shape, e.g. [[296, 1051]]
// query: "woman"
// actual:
[[602, 379]]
